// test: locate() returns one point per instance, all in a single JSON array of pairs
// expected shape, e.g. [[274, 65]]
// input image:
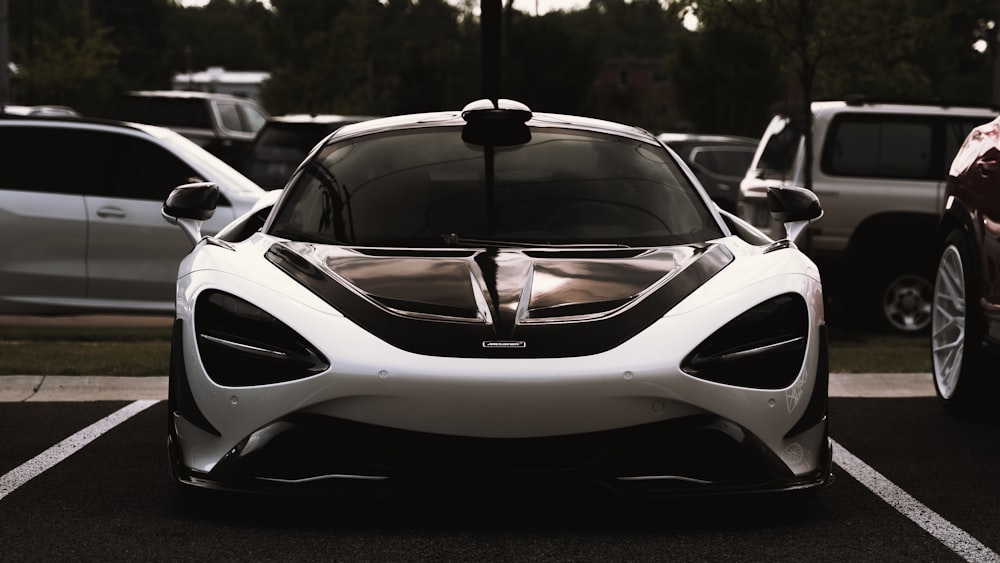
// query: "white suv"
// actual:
[[80, 204], [880, 171]]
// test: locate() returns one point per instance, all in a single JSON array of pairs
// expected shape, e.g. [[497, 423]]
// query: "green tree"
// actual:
[[63, 55], [321, 56], [73, 71], [234, 34], [549, 65], [136, 28], [726, 79], [425, 58], [367, 57]]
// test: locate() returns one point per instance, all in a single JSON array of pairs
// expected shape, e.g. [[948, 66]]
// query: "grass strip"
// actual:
[[53, 357], [145, 351], [880, 354]]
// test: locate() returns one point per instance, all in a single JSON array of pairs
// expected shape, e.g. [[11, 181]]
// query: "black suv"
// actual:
[[284, 142], [222, 124], [719, 162]]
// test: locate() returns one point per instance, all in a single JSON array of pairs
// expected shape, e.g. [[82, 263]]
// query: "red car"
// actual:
[[965, 326]]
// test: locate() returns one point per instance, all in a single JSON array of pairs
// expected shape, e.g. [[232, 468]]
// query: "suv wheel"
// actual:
[[906, 300], [956, 327]]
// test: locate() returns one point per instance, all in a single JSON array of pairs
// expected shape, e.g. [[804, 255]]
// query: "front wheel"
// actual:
[[956, 328]]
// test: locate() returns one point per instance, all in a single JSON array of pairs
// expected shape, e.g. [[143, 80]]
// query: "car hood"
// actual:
[[506, 302]]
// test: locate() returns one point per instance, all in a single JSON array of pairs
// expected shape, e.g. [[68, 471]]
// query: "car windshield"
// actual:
[[781, 143], [430, 188]]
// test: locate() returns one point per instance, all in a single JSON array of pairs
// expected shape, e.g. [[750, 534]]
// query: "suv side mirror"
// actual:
[[189, 205], [794, 207]]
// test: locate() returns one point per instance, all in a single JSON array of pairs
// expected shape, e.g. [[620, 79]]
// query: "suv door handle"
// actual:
[[987, 167], [111, 212]]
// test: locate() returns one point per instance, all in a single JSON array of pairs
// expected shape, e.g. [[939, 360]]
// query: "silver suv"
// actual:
[[880, 171], [80, 205]]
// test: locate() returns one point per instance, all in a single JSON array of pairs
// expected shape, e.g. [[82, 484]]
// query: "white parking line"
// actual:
[[50, 457], [955, 538]]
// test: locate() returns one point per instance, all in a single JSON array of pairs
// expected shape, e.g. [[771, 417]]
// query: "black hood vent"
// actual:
[[501, 302]]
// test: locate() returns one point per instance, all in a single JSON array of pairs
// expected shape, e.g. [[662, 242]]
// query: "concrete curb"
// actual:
[[83, 388], [80, 388]]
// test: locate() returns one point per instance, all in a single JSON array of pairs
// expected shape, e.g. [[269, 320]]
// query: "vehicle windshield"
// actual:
[[429, 188], [781, 145]]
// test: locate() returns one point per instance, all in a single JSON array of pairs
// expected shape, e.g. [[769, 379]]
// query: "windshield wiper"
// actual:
[[452, 239]]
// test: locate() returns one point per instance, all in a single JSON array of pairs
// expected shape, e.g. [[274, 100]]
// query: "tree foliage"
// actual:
[[383, 57]]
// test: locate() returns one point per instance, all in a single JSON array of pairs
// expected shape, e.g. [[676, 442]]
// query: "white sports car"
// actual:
[[496, 294]]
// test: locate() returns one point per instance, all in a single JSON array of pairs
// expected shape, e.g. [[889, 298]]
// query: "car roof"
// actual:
[[319, 118], [75, 120], [455, 119], [185, 94], [38, 110], [898, 107], [699, 138]]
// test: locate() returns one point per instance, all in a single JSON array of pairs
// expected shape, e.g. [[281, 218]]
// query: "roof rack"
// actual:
[[862, 99]]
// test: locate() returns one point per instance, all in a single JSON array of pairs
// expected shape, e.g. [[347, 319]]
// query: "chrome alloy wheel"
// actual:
[[948, 322]]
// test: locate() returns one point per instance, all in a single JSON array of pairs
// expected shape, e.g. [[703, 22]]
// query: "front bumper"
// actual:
[[309, 454]]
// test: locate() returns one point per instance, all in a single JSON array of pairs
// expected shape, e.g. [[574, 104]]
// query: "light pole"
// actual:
[[4, 56]]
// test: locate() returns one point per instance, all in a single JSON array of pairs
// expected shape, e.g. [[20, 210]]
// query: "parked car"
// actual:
[[38, 110], [719, 161], [80, 203], [497, 294], [223, 125], [880, 170], [965, 326], [284, 141]]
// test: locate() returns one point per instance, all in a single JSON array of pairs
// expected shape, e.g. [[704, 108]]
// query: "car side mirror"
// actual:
[[189, 205], [794, 207]]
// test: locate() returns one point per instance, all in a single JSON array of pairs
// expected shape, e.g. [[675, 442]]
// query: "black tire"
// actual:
[[905, 292], [957, 330]]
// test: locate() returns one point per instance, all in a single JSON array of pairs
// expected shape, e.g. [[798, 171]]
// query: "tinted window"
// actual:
[[54, 159], [781, 146], [723, 160], [421, 188], [229, 115], [300, 136], [253, 118], [145, 170], [880, 148], [168, 112]]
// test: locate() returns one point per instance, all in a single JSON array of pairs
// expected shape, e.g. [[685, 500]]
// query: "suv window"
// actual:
[[152, 172], [254, 119], [78, 161], [723, 160], [167, 112], [229, 115], [904, 147], [879, 149], [45, 160]]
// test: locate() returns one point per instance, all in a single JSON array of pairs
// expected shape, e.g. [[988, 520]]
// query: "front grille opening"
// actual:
[[687, 454]]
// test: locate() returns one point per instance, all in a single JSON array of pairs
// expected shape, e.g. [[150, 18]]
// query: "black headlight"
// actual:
[[242, 345], [763, 348]]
